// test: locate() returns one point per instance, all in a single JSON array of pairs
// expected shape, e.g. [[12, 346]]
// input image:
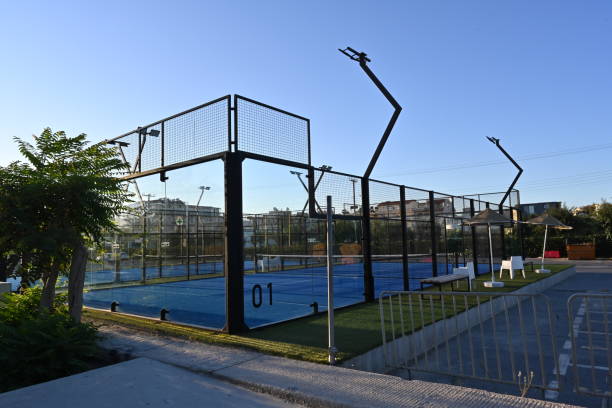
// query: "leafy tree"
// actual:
[[604, 216], [65, 195]]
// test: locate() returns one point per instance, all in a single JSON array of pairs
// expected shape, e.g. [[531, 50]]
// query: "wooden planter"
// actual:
[[581, 251]]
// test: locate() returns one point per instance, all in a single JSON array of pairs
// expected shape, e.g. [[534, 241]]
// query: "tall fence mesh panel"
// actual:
[[271, 132]]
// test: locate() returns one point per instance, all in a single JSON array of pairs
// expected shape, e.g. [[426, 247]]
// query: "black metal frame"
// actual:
[[233, 159], [520, 170]]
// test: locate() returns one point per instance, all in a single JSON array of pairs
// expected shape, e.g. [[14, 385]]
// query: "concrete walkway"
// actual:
[[301, 382], [138, 383]]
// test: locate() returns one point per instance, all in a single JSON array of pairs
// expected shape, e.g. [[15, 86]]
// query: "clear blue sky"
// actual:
[[536, 74]]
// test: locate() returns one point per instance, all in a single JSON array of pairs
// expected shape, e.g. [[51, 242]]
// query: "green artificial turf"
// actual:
[[357, 328]]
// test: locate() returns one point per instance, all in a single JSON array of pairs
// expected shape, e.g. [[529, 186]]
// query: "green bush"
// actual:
[[15, 308], [38, 346]]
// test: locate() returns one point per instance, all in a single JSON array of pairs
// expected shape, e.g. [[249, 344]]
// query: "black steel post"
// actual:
[[312, 211], [363, 60], [445, 247], [368, 277], [405, 265], [434, 241], [520, 232], [144, 247], [503, 234], [474, 238], [518, 175], [234, 244], [187, 246], [160, 256]]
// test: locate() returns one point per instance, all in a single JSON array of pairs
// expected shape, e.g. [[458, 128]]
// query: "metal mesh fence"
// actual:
[[198, 133], [271, 132], [384, 200], [168, 244], [513, 200], [345, 191], [444, 205], [417, 204], [187, 136]]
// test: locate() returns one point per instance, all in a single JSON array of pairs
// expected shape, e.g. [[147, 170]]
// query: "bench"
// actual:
[[441, 280]]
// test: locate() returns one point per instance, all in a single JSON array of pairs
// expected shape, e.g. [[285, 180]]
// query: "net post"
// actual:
[[474, 238], [330, 283], [405, 265], [368, 278], [434, 241], [234, 244]]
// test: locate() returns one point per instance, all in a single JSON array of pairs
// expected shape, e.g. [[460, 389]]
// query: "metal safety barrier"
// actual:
[[504, 338], [590, 316]]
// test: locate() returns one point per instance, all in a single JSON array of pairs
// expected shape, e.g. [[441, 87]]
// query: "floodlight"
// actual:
[[153, 132], [116, 142]]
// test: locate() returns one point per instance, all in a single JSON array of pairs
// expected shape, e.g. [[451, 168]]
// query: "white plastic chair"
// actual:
[[469, 269], [515, 262]]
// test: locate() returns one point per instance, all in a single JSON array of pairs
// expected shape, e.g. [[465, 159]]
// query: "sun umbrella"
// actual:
[[548, 221], [489, 217]]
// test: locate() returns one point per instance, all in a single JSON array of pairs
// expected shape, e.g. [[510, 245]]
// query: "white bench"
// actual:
[[460, 273]]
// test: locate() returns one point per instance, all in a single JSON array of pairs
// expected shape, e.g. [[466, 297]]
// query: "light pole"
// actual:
[[354, 208], [202, 189], [145, 208]]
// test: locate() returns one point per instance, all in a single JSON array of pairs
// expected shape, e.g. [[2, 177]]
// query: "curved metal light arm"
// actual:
[[520, 170], [362, 58]]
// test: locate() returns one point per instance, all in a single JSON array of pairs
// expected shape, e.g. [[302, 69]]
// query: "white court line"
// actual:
[[594, 348], [551, 395], [564, 358], [596, 333], [590, 367], [564, 362]]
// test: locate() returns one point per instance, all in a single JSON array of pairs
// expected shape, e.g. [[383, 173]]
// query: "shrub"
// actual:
[[16, 308], [37, 346]]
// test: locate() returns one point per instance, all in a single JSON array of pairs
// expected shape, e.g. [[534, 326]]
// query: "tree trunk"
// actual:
[[76, 281], [48, 291], [3, 267]]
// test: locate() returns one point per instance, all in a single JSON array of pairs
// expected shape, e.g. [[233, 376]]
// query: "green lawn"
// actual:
[[357, 327]]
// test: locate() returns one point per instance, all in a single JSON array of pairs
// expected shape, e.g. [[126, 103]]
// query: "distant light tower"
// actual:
[[202, 189]]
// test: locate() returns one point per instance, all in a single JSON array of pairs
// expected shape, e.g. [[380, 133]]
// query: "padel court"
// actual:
[[284, 287]]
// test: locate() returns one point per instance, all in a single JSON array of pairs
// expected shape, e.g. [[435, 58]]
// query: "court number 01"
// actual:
[[257, 294]]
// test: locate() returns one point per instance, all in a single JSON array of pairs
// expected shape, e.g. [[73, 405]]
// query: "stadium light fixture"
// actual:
[[363, 60], [202, 189], [495, 141]]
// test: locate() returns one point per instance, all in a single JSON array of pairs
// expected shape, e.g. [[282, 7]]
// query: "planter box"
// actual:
[[580, 251], [5, 287], [552, 254]]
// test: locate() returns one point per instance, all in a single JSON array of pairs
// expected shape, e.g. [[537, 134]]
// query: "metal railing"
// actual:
[[589, 316], [475, 335]]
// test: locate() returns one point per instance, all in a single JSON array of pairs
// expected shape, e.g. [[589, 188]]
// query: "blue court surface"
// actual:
[[269, 297]]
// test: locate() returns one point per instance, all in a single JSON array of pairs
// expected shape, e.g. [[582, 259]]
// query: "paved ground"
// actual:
[[593, 350], [294, 381], [138, 383], [171, 371]]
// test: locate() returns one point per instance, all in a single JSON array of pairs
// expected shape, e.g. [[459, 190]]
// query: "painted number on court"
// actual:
[[257, 295]]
